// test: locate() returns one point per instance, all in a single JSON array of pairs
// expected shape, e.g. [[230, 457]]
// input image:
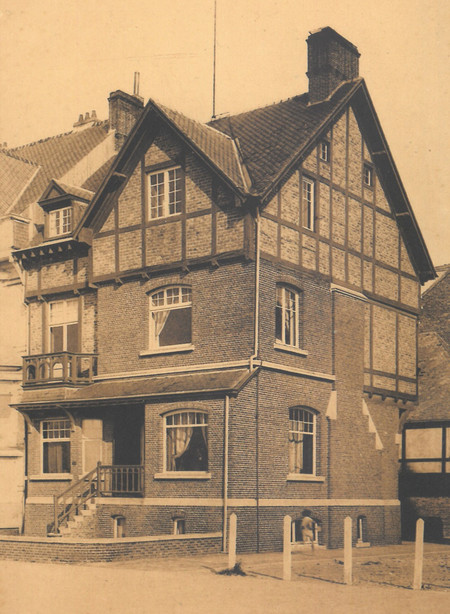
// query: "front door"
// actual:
[[92, 443]]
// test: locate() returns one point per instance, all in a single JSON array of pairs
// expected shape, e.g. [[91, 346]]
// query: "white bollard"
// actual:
[[348, 573], [232, 541], [418, 559], [287, 548]]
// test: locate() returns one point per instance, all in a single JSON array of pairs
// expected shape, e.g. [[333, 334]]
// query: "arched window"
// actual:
[[171, 318], [186, 441], [302, 441], [287, 316]]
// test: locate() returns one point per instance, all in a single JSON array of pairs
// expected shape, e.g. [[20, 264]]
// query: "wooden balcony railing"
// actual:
[[60, 367], [102, 480]]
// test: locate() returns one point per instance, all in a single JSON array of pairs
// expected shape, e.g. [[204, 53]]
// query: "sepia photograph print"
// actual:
[[224, 307]]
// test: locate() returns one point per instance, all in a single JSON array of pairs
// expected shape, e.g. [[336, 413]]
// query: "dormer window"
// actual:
[[60, 221]]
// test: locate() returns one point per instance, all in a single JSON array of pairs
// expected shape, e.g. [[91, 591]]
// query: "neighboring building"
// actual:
[[80, 157], [425, 475], [230, 325]]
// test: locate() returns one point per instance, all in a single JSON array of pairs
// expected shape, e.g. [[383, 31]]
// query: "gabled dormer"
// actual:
[[63, 207]]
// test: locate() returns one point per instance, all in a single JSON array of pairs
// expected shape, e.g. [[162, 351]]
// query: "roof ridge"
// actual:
[[10, 154], [56, 136], [163, 107], [225, 116]]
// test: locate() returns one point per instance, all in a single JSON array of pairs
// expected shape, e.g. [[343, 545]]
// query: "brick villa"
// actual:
[[228, 324]]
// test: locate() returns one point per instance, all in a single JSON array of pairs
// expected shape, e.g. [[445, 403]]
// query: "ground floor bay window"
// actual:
[[55, 446], [186, 441]]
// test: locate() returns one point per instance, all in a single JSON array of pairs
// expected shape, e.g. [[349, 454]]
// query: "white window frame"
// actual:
[[60, 221], [308, 202], [67, 427], [324, 151], [162, 210], [368, 175], [284, 291], [186, 474], [65, 322], [166, 297], [309, 433]]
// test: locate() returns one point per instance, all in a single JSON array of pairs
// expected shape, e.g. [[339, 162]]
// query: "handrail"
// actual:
[[102, 480], [80, 497]]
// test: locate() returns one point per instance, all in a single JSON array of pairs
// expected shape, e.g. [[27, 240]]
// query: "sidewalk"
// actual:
[[185, 585]]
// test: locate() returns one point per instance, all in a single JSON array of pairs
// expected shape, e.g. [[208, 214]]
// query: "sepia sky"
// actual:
[[62, 58]]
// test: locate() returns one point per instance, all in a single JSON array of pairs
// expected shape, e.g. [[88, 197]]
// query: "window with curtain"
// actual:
[[302, 435], [171, 317], [287, 316], [55, 446], [63, 323], [186, 434]]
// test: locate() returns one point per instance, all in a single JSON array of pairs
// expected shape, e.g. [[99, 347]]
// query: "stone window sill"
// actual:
[[291, 349], [183, 475], [300, 477], [51, 477], [170, 349]]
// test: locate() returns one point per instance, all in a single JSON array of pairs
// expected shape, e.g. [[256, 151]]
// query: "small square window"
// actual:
[[368, 175], [324, 151], [60, 221]]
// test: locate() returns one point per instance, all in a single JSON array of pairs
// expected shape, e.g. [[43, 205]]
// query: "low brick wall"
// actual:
[[69, 550]]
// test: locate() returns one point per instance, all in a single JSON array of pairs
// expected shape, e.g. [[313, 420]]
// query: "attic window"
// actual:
[[368, 175], [60, 221], [165, 193], [324, 151]]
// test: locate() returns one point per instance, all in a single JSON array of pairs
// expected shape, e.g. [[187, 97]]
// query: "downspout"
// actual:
[[225, 474], [253, 357], [257, 271]]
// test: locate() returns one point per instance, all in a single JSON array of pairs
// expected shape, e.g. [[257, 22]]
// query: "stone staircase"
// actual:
[[83, 524]]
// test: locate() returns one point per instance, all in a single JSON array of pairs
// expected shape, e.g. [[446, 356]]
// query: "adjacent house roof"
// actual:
[[253, 152], [15, 176], [434, 380], [55, 156]]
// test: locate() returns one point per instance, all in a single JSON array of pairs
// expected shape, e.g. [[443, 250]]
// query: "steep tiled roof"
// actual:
[[56, 156], [94, 181], [271, 136], [15, 175], [434, 381], [217, 146]]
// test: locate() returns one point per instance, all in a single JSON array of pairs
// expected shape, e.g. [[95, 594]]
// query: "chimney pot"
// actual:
[[332, 60], [94, 114], [86, 117]]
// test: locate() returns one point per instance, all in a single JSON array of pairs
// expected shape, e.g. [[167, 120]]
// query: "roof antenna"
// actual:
[[214, 64], [137, 77]]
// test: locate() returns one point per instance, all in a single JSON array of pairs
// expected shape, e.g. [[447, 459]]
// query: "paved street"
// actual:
[[175, 586]]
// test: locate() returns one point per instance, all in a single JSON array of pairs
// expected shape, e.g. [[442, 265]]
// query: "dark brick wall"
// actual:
[[60, 551]]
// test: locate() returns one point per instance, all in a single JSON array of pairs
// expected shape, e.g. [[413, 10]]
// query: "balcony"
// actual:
[[59, 368]]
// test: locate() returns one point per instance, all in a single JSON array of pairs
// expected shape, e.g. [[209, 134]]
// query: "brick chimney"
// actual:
[[124, 109], [332, 59]]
